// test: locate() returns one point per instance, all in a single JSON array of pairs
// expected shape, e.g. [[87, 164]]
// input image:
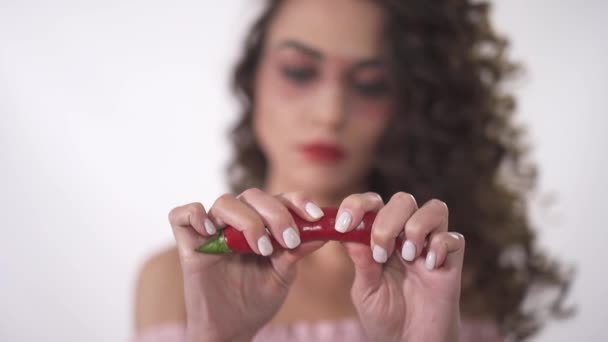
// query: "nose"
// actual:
[[329, 110]]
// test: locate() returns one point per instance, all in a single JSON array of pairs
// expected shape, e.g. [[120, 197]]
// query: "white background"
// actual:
[[113, 112]]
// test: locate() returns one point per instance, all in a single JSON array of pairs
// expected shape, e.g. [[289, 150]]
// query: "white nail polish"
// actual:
[[265, 246], [291, 238], [408, 252], [313, 210], [343, 221], [430, 260], [455, 235], [379, 254], [209, 227]]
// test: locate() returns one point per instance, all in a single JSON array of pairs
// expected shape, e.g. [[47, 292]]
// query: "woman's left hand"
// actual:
[[410, 294]]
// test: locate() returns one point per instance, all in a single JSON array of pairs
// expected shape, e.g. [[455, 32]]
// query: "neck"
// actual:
[[276, 184]]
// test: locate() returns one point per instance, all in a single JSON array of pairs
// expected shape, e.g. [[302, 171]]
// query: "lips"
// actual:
[[323, 152]]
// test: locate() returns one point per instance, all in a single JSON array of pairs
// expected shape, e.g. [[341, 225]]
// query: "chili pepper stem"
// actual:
[[216, 245]]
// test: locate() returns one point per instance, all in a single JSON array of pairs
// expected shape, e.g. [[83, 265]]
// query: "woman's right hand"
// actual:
[[230, 297]]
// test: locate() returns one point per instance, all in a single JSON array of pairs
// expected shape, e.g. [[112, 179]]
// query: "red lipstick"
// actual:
[[323, 152]]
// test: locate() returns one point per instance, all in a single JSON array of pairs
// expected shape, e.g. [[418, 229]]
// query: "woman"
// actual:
[[392, 107]]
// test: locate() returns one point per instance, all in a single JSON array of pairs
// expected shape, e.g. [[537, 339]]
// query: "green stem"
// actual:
[[216, 245]]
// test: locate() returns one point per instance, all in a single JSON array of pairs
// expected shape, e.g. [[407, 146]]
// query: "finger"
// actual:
[[192, 215], [275, 216], [305, 208], [301, 205], [349, 216], [431, 217], [389, 224], [190, 225], [242, 217], [446, 249], [283, 261], [353, 208]]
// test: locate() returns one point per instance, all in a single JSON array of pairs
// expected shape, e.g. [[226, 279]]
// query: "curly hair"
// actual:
[[453, 139]]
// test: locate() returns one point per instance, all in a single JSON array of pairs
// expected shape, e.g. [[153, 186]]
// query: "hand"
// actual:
[[230, 297], [410, 294]]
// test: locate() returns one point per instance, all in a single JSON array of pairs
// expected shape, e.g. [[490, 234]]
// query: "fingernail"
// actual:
[[455, 235], [408, 252], [313, 210], [209, 227], [343, 222], [379, 254], [430, 260], [264, 245], [291, 238]]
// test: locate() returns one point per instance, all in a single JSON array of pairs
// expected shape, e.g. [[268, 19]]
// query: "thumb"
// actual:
[[368, 273], [191, 228], [284, 260]]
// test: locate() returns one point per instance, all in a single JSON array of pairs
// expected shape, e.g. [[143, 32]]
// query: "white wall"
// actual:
[[563, 99], [112, 112]]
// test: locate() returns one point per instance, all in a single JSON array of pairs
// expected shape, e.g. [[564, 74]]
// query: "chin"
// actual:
[[326, 181]]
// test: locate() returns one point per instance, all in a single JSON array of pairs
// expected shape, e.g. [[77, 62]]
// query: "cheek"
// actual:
[[273, 96], [274, 116], [370, 117], [372, 109]]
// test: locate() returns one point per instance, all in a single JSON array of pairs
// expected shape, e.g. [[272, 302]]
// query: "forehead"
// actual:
[[349, 29]]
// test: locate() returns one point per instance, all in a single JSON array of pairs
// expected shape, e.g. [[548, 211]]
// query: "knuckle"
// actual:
[[223, 199], [297, 196], [189, 209], [174, 214], [277, 215], [252, 225], [251, 192], [278, 220], [285, 219], [435, 202], [405, 198], [439, 204], [354, 201], [283, 196], [416, 228], [374, 196], [284, 215], [293, 197], [195, 208], [381, 235]]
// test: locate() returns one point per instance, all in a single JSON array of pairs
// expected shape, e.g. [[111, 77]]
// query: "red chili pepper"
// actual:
[[231, 240]]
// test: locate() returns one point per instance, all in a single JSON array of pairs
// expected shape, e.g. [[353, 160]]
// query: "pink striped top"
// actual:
[[325, 331]]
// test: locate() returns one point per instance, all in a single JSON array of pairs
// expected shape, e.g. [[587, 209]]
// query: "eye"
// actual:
[[371, 89], [299, 75]]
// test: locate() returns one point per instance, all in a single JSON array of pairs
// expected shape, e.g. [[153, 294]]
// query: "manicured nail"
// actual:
[[408, 252], [291, 238], [313, 210], [379, 254], [209, 227], [264, 245], [430, 260], [343, 221], [455, 235]]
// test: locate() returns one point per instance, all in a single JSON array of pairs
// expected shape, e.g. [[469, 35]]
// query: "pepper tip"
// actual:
[[215, 245]]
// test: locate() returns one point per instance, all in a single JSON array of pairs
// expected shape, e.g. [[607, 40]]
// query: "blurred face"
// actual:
[[322, 97]]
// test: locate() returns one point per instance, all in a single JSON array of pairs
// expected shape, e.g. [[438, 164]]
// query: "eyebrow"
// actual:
[[369, 63], [302, 48], [365, 63]]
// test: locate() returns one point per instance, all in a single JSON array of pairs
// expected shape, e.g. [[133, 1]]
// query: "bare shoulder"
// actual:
[[159, 296]]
